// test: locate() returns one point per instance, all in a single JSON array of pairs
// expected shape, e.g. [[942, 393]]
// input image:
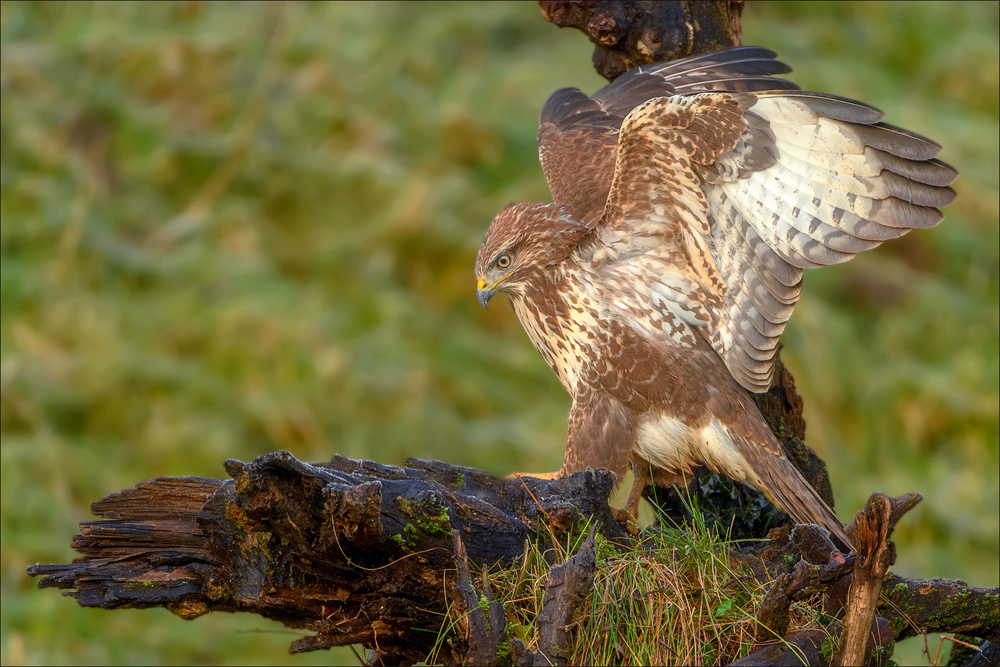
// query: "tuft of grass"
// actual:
[[676, 600], [675, 597]]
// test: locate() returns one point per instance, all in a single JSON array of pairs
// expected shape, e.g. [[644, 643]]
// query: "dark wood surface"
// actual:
[[362, 553], [629, 34]]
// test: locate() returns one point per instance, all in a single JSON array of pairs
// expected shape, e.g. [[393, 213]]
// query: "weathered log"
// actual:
[[629, 34], [355, 551], [815, 647], [911, 606], [804, 580], [822, 568], [802, 648], [916, 606], [359, 552]]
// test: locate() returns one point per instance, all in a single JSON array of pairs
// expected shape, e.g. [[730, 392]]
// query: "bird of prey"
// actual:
[[688, 197]]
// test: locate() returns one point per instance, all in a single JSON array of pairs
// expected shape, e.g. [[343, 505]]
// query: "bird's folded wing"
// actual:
[[578, 135], [719, 200]]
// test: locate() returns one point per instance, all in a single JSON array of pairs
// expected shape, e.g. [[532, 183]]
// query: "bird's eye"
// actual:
[[504, 261]]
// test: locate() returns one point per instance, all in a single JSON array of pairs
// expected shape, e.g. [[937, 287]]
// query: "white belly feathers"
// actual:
[[669, 443]]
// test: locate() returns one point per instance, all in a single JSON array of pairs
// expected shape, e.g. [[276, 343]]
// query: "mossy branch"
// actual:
[[363, 553], [355, 551]]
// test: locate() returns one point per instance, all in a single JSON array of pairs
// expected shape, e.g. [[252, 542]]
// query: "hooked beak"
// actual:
[[484, 292]]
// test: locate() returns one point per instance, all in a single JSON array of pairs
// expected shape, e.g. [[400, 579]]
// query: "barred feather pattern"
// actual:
[[841, 183], [812, 180], [719, 200], [689, 197]]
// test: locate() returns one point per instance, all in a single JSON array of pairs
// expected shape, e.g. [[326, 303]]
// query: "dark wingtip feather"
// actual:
[[715, 57], [739, 85], [897, 141], [834, 106], [945, 165], [929, 172], [741, 67], [894, 212], [570, 106], [917, 193]]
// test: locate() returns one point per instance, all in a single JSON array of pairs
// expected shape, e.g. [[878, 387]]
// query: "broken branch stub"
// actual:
[[567, 587], [870, 530], [358, 552], [629, 34], [483, 629]]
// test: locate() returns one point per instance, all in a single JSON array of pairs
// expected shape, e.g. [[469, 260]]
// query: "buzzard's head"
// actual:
[[522, 242]]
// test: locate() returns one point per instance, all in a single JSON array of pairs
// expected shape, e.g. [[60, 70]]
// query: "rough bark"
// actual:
[[907, 607], [567, 587], [821, 569], [812, 647], [804, 581], [354, 551], [915, 606], [358, 552], [481, 619], [629, 34], [802, 648], [871, 530]]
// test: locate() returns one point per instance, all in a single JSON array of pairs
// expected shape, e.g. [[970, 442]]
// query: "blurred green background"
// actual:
[[233, 229]]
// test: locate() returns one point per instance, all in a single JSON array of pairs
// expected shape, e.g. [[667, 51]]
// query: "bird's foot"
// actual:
[[537, 475], [630, 513], [630, 520]]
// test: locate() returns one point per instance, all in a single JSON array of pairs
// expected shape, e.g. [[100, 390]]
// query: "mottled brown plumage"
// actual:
[[688, 198]]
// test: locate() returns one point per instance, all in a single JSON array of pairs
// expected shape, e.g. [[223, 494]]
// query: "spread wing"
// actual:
[[719, 200], [578, 135]]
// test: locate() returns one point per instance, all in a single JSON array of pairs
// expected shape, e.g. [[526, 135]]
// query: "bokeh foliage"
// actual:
[[233, 229]]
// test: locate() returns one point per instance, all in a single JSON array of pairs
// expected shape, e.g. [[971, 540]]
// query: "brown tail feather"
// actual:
[[784, 485]]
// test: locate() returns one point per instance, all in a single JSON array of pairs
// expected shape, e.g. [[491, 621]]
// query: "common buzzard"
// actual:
[[688, 197]]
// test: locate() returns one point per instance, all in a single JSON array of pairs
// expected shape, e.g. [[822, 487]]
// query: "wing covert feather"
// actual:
[[578, 135], [727, 197]]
